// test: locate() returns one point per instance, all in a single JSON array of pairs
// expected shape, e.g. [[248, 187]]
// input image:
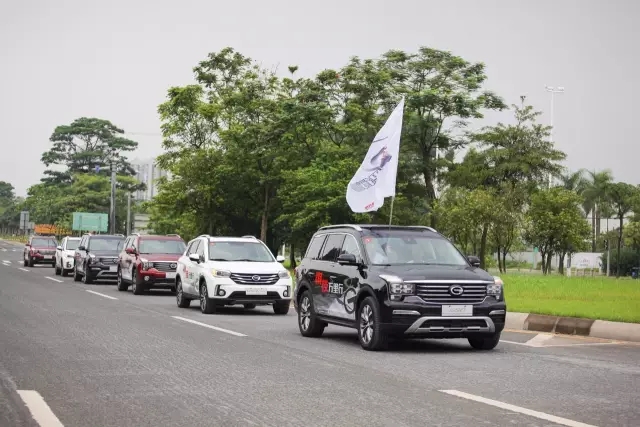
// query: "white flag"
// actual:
[[376, 177]]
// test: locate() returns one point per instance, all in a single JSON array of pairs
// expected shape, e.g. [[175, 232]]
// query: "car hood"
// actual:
[[69, 252], [248, 267], [433, 272], [43, 248], [160, 257], [105, 253]]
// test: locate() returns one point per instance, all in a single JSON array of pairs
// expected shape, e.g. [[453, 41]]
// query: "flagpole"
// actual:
[[391, 212]]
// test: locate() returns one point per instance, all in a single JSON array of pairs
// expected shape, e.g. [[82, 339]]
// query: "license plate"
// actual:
[[171, 275], [457, 310], [256, 291], [113, 268], [48, 257]]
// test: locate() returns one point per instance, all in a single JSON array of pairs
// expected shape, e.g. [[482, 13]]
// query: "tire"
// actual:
[[206, 305], [58, 271], [86, 277], [180, 299], [24, 262], [172, 290], [31, 262], [136, 287], [485, 343], [76, 275], [249, 306], [370, 329], [308, 324], [122, 286], [64, 272], [281, 307]]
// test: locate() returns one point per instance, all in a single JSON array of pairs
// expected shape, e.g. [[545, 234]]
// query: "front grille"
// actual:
[[439, 293], [166, 266], [241, 295], [250, 279], [107, 260], [46, 252]]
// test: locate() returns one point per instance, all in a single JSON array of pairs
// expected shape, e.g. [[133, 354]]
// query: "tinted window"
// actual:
[[314, 247], [332, 249], [106, 244], [150, 246], [239, 251], [43, 243], [411, 248], [350, 246], [72, 244]]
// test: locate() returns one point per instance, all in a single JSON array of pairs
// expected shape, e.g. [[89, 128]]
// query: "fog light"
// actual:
[[146, 278], [221, 292], [286, 292]]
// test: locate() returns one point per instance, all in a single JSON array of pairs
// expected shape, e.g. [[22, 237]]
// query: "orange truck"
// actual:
[[50, 229]]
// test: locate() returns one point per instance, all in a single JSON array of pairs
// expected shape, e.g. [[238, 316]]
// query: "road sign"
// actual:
[[24, 220], [83, 221]]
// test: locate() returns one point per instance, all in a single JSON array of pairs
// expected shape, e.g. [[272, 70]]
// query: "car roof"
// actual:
[[362, 227], [159, 237], [73, 238], [234, 239]]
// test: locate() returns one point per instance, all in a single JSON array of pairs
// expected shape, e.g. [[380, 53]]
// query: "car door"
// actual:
[[349, 277], [199, 267], [327, 276], [190, 269], [60, 252], [311, 263], [123, 259], [81, 253]]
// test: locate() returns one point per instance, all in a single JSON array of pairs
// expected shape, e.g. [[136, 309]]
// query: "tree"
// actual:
[[596, 199], [623, 198], [85, 144], [555, 223]]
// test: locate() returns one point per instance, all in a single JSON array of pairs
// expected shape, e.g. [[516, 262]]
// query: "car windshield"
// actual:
[[44, 243], [106, 244], [239, 251], [153, 246], [398, 248], [72, 244]]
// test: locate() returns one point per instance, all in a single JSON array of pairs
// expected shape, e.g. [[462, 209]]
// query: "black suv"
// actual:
[[394, 281], [96, 257]]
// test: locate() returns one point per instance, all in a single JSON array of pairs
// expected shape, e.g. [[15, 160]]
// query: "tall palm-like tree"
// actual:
[[574, 181], [595, 196]]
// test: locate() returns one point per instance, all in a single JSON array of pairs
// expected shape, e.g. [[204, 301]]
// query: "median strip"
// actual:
[[215, 328], [99, 294]]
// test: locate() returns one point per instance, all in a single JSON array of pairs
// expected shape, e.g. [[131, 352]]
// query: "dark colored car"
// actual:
[[40, 250], [96, 257], [396, 282], [149, 262]]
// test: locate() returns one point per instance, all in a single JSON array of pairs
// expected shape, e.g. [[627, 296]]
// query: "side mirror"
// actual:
[[59, 248], [347, 259], [474, 260], [130, 251], [82, 248], [195, 258], [280, 258]]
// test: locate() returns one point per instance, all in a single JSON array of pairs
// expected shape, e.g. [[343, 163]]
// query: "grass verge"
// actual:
[[602, 298]]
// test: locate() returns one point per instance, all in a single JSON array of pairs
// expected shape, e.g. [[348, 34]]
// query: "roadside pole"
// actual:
[[112, 208], [128, 213]]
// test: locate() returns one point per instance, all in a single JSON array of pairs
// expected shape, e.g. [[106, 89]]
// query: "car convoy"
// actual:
[[387, 282]]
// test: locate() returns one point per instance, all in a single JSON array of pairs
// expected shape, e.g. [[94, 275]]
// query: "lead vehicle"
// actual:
[[396, 282]]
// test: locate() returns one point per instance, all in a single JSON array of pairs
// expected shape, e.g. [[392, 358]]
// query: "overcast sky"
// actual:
[[64, 59]]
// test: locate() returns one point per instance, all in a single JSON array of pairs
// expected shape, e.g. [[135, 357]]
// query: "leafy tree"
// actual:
[[623, 198], [84, 144], [596, 200]]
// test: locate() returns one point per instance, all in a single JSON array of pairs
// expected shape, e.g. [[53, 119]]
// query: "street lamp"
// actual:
[[553, 91]]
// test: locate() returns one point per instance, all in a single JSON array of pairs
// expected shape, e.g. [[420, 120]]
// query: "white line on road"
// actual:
[[102, 295], [40, 411], [23, 269], [539, 340], [519, 409], [51, 278], [215, 328], [6, 261]]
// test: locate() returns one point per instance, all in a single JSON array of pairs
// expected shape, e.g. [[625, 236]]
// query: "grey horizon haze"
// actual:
[[115, 60]]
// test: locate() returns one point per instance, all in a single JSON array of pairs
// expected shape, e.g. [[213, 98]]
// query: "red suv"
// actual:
[[40, 250], [149, 262]]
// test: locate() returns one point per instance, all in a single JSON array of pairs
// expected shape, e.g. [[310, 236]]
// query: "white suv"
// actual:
[[64, 260], [232, 270]]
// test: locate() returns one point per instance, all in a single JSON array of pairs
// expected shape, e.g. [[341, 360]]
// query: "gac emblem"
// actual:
[[456, 290]]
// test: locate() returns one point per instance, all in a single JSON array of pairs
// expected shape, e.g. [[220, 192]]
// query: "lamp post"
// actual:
[[553, 90]]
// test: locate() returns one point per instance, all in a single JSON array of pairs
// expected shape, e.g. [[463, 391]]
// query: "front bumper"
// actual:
[[102, 272], [67, 263], [426, 320], [227, 292], [40, 259], [157, 279]]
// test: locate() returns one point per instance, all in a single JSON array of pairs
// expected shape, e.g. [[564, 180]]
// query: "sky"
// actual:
[[65, 59]]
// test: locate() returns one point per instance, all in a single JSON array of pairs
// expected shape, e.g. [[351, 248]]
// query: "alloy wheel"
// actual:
[[305, 314], [366, 324]]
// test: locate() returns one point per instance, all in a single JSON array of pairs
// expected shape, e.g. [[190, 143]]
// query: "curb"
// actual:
[[605, 329]]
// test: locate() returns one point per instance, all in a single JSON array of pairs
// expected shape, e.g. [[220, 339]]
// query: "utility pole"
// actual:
[[606, 244], [553, 91], [128, 213], [112, 207]]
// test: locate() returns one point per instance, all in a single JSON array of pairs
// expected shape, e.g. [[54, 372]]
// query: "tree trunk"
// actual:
[[593, 228], [430, 190], [549, 257], [504, 259], [265, 215], [619, 246], [292, 257], [483, 245], [598, 222], [561, 263], [543, 263]]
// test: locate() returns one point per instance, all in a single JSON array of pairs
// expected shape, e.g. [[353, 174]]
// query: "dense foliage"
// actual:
[[251, 152]]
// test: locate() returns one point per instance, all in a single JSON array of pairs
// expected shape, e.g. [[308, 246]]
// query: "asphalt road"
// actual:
[[78, 355]]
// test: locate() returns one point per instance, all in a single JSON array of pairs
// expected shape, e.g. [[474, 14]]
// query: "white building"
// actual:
[[148, 173]]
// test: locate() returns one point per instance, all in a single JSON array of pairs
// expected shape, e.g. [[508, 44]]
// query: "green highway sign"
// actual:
[[83, 221]]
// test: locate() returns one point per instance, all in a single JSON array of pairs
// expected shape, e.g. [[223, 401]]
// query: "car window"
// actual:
[[43, 242], [313, 250], [411, 248], [72, 244], [194, 247], [239, 251], [332, 247], [106, 244], [200, 250], [350, 246]]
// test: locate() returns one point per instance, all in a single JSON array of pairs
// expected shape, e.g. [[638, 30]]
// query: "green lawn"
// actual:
[[601, 298]]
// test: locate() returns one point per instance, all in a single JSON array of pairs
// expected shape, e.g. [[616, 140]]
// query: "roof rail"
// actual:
[[424, 226], [400, 226], [204, 235], [249, 236], [118, 234], [353, 226]]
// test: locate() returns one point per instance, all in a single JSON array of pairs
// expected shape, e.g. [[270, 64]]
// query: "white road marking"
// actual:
[[514, 342], [39, 409], [519, 409], [23, 269], [215, 328], [6, 261], [539, 340], [51, 278], [102, 295], [4, 250]]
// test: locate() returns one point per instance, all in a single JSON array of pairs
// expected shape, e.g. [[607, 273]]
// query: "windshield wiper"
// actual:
[[218, 259]]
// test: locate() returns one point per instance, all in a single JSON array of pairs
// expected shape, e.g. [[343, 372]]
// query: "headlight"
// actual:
[[495, 289], [221, 273], [284, 274], [397, 285], [145, 264]]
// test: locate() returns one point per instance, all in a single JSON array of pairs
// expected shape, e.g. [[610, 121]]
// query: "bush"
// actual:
[[629, 258]]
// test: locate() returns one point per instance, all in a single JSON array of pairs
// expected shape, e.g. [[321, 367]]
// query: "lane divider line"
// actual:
[[518, 409], [215, 328], [51, 278], [40, 411], [6, 261], [99, 294], [23, 269], [539, 340]]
